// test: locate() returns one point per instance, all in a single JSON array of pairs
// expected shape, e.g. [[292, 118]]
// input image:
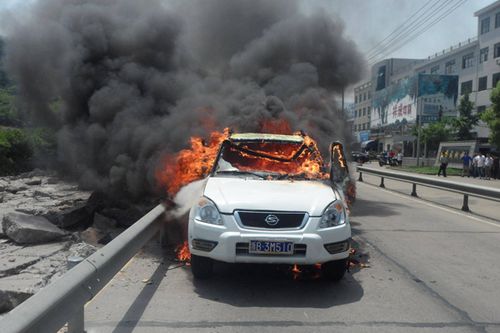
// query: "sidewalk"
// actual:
[[495, 183]]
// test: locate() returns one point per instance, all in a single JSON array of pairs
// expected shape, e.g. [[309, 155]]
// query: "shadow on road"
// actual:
[[273, 286], [363, 207]]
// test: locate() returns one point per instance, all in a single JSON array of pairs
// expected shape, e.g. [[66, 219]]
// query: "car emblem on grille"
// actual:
[[272, 220]]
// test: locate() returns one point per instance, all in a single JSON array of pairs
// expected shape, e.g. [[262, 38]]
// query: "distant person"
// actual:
[[480, 165], [496, 167], [488, 164], [475, 167], [467, 160], [444, 163], [399, 158]]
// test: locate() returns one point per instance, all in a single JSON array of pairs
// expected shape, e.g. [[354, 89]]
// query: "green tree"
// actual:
[[4, 81], [431, 135], [492, 116], [466, 120]]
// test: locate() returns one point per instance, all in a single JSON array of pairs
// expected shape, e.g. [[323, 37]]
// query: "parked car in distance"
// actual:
[[360, 157]]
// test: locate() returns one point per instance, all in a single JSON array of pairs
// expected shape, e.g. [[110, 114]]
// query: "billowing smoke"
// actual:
[[124, 82]]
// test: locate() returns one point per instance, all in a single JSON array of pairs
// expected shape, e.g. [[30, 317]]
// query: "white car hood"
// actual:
[[234, 193]]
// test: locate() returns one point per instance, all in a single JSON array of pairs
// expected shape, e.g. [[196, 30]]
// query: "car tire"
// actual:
[[201, 267], [334, 270]]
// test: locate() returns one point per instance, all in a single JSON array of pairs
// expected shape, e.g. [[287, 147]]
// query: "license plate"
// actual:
[[270, 247]]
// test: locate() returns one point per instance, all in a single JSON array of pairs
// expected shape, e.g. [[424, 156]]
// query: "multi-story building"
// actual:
[[362, 110], [475, 61]]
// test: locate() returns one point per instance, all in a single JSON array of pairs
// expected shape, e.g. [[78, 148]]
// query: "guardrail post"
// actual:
[[360, 179], [382, 182], [77, 323], [414, 190], [465, 206]]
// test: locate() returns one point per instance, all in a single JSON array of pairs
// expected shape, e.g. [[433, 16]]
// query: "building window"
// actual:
[[482, 83], [466, 87], [494, 79], [364, 112], [364, 96], [369, 95], [496, 49], [483, 54], [434, 69], [481, 109], [368, 111], [497, 20], [355, 98], [485, 25], [450, 67], [468, 60]]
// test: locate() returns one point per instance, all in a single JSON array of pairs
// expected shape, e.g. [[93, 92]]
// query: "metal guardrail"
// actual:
[[63, 301], [446, 185]]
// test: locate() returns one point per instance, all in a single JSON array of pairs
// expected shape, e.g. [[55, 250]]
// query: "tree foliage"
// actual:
[[466, 120], [492, 116], [4, 81], [434, 133], [15, 151]]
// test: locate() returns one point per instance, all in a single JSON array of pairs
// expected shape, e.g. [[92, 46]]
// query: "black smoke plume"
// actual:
[[132, 80]]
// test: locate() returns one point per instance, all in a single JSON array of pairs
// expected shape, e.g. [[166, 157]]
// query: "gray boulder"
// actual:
[[29, 229], [80, 216], [104, 223]]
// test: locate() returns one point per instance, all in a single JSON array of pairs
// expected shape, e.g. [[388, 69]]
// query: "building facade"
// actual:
[[476, 63], [362, 109]]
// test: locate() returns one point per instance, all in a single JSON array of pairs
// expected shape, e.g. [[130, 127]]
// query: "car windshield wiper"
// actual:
[[234, 172]]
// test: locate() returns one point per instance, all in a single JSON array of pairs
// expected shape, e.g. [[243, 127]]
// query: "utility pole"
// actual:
[[419, 120]]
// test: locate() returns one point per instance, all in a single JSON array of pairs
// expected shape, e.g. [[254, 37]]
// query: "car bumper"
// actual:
[[232, 242]]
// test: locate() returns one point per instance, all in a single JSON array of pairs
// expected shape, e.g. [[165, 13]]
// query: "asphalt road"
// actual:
[[431, 269]]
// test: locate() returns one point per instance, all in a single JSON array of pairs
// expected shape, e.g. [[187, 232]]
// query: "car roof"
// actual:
[[266, 137]]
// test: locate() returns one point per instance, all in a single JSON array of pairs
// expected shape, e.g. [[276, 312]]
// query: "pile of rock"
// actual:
[[46, 220]]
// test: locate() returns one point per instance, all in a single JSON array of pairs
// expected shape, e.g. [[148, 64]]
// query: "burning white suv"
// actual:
[[270, 199]]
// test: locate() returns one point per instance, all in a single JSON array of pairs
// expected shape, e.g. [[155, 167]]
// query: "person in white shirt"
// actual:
[[488, 163], [475, 169], [480, 165]]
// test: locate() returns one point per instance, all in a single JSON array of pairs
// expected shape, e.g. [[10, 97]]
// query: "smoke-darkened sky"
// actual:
[[369, 21], [135, 80]]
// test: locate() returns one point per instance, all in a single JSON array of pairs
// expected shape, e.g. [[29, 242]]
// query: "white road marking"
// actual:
[[423, 202]]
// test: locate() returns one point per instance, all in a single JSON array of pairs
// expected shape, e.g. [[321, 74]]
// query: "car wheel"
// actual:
[[201, 267], [334, 270]]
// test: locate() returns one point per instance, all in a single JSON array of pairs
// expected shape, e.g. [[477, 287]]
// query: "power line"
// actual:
[[397, 29], [423, 29], [443, 7]]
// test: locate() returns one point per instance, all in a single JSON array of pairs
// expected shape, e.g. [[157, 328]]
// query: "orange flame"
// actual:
[[182, 252], [196, 162], [190, 164], [276, 126], [296, 272]]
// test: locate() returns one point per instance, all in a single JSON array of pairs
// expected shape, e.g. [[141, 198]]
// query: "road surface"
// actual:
[[431, 269]]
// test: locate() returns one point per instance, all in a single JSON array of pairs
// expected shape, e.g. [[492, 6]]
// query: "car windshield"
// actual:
[[270, 160]]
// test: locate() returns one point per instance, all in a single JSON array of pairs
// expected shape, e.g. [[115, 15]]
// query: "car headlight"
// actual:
[[333, 215], [207, 212]]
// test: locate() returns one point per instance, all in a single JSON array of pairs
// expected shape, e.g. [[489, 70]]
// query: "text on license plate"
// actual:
[[270, 247]]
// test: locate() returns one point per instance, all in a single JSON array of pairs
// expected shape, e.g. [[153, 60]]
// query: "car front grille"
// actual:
[[271, 220], [299, 250]]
